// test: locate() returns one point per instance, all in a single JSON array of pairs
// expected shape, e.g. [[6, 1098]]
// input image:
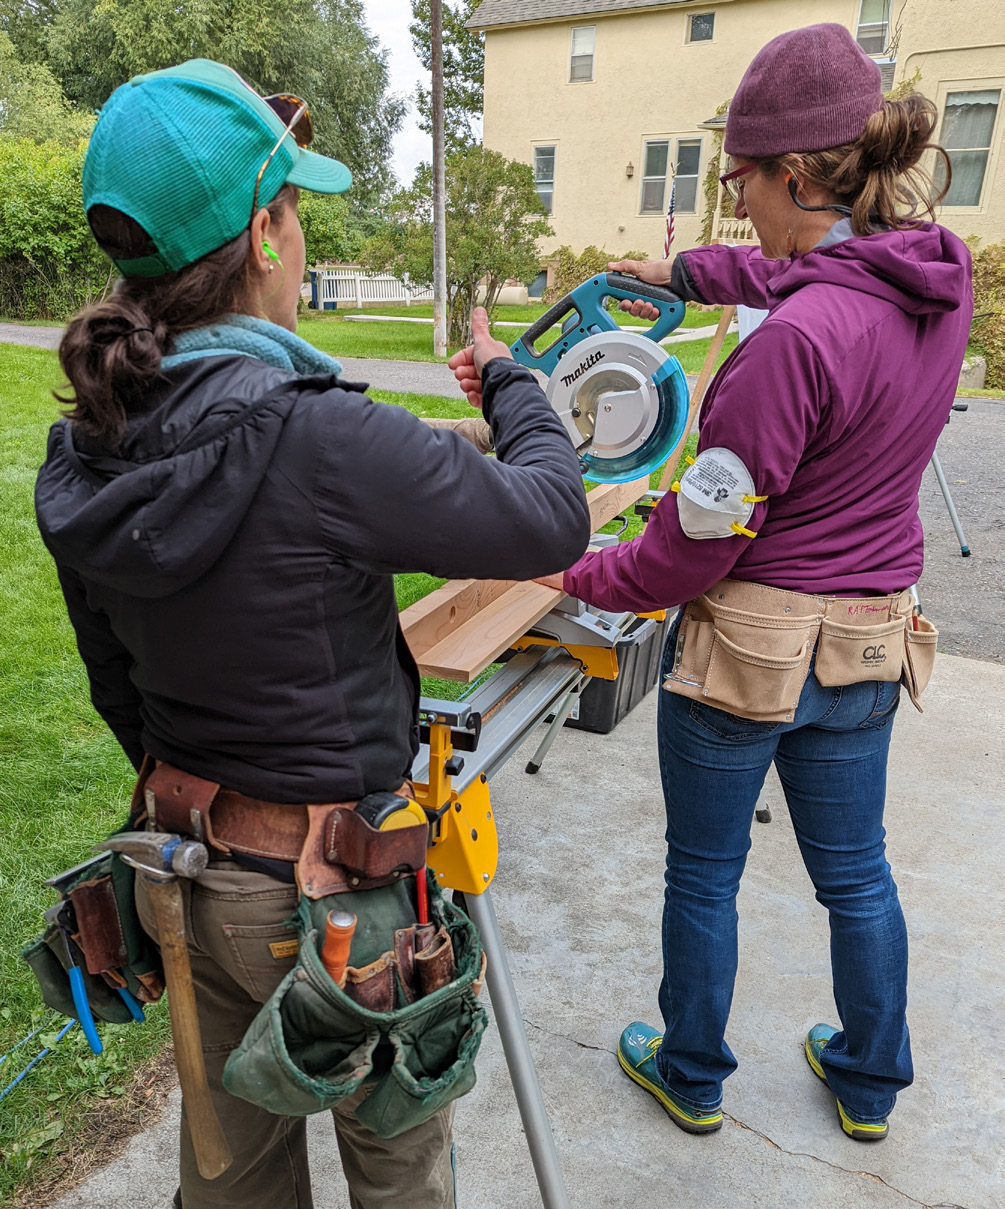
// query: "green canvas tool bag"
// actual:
[[115, 951], [311, 1046]]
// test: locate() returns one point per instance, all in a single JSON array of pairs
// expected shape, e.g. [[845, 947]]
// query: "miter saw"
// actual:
[[622, 397]]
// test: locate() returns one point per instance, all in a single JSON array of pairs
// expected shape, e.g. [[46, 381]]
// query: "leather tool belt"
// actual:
[[747, 648], [333, 848]]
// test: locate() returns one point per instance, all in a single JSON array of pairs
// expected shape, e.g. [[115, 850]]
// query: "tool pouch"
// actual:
[[313, 1045], [745, 662], [115, 950], [921, 639]]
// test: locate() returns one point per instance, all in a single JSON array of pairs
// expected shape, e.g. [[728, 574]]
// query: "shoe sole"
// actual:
[[676, 1114], [861, 1131]]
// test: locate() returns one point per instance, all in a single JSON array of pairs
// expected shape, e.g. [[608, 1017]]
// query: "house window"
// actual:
[[967, 128], [581, 60], [873, 26], [700, 27], [544, 175], [654, 177], [685, 196]]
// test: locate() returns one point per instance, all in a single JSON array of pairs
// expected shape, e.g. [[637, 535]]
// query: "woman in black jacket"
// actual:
[[226, 515]]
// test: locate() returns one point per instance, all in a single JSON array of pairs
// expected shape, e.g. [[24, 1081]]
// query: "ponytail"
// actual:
[[879, 175], [111, 352]]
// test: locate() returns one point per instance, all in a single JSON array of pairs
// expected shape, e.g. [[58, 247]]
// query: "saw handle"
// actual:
[[587, 301]]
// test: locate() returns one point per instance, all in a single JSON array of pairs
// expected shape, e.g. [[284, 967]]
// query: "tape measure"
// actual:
[[390, 812]]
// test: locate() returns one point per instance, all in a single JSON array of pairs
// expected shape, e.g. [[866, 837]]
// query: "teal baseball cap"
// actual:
[[180, 151]]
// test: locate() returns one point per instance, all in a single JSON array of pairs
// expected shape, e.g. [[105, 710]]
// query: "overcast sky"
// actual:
[[389, 19]]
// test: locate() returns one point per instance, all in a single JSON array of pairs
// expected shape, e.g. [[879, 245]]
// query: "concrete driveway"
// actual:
[[578, 895]]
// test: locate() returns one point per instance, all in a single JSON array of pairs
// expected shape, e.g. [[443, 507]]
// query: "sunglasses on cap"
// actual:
[[293, 112], [733, 181]]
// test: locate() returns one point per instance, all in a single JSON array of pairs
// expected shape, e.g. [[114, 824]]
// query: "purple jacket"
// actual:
[[834, 403]]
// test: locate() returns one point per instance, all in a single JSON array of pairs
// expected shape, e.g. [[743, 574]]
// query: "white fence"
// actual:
[[349, 285]]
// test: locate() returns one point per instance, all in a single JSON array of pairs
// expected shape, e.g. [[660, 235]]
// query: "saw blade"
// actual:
[[620, 397]]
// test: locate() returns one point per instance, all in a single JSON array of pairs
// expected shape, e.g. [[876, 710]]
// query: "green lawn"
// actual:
[[64, 784], [516, 314], [332, 332]]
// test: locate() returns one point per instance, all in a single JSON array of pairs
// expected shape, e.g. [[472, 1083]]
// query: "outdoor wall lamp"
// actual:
[[630, 169]]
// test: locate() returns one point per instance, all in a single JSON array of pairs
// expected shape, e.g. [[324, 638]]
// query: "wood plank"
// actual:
[[704, 377], [429, 621], [466, 652]]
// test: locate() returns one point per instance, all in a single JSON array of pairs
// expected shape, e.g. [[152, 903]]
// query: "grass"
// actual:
[[517, 314], [64, 784], [334, 334]]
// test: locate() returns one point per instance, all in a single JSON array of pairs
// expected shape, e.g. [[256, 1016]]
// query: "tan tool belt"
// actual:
[[746, 648], [333, 848]]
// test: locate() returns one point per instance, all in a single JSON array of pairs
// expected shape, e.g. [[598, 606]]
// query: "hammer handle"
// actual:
[[212, 1154]]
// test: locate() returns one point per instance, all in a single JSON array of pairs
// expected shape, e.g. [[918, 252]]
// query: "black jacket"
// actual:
[[228, 569]]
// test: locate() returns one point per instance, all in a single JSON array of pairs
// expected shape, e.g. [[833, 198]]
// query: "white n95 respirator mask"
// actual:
[[715, 496]]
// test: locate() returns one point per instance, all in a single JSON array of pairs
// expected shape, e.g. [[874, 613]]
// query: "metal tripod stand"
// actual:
[[944, 487]]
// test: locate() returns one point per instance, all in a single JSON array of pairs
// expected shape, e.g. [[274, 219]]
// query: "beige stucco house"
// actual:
[[610, 99]]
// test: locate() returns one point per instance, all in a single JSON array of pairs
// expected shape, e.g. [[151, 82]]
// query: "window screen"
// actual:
[[581, 62], [700, 27], [654, 177], [544, 175], [967, 129], [873, 23], [685, 196]]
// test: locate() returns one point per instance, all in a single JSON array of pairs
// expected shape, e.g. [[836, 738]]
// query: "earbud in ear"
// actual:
[[269, 252], [793, 184]]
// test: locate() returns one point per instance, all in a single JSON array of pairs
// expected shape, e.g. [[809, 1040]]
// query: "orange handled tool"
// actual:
[[339, 929]]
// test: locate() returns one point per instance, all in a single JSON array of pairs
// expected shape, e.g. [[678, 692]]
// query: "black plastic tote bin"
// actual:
[[603, 703]]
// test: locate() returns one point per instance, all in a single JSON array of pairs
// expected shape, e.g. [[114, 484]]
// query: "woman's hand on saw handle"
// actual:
[[469, 362], [656, 272]]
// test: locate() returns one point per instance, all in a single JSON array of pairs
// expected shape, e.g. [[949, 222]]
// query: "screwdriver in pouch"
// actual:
[[339, 928]]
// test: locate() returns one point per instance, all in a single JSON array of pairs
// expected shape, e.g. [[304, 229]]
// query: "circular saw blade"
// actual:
[[621, 398]]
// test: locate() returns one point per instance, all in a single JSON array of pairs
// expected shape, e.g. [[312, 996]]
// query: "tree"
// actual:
[[32, 104], [463, 71], [319, 49], [494, 219]]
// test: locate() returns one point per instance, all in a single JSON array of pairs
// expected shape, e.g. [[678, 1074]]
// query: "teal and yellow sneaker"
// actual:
[[861, 1131], [637, 1055]]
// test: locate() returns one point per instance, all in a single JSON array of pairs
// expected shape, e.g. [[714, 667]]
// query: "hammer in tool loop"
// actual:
[[160, 860]]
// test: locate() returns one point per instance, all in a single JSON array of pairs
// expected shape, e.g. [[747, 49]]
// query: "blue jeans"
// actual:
[[832, 764]]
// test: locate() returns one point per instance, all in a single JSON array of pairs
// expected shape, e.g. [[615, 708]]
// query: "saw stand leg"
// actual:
[[950, 506], [556, 724], [523, 1076]]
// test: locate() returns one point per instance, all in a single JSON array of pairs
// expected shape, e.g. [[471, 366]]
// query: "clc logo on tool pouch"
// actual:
[[874, 654]]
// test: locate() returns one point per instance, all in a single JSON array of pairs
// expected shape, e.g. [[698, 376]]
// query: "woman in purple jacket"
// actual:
[[790, 544]]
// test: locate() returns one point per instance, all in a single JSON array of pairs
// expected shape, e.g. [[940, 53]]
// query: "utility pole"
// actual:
[[439, 187]]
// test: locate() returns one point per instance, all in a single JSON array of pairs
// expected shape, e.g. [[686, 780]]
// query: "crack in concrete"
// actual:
[[869, 1175], [796, 1154]]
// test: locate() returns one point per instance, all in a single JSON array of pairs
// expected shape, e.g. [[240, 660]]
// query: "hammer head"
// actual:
[[160, 854]]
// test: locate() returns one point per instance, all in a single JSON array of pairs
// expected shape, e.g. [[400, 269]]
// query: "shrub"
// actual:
[[989, 309], [50, 265], [572, 270]]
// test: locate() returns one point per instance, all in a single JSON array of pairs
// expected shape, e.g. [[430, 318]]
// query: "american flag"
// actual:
[[668, 239]]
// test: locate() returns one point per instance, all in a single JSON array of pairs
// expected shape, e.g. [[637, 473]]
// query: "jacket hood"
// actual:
[[924, 269], [156, 514]]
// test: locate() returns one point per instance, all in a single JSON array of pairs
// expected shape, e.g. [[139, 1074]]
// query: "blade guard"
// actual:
[[671, 384], [587, 301]]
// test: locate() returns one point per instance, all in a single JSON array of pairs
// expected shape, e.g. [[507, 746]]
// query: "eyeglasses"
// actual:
[[297, 116], [732, 181]]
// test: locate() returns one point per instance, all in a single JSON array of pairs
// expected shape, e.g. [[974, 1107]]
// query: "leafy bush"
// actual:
[[989, 309], [331, 230], [572, 270], [49, 263]]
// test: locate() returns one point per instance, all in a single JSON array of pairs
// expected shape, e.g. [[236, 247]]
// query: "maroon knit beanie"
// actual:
[[807, 90]]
